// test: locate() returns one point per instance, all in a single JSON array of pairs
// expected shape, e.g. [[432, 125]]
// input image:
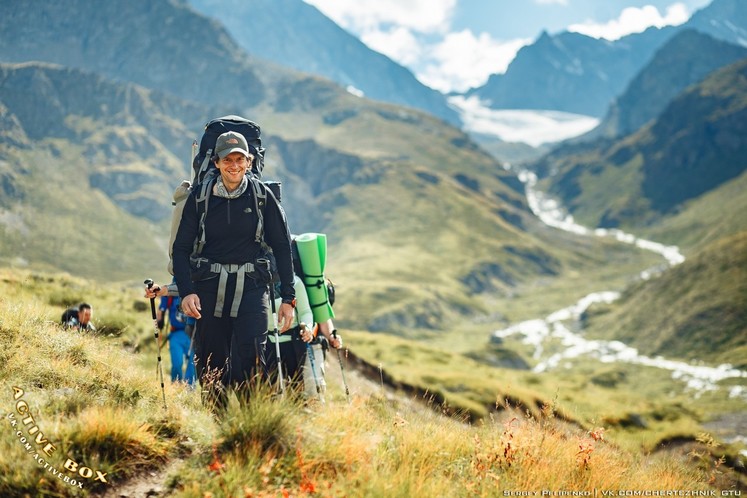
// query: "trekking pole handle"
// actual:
[[337, 338], [303, 327], [149, 283]]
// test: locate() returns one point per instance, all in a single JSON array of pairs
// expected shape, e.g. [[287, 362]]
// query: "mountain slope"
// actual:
[[102, 39], [574, 73], [569, 72], [424, 227], [697, 310], [684, 60], [696, 144], [701, 221], [353, 168], [84, 172], [722, 19], [295, 34]]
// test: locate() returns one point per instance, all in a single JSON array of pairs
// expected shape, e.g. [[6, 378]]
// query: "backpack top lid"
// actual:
[[214, 128]]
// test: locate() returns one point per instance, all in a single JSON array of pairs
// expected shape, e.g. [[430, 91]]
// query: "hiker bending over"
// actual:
[[79, 318], [226, 287], [180, 340]]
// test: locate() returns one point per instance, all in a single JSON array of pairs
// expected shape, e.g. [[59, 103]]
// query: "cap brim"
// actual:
[[224, 153]]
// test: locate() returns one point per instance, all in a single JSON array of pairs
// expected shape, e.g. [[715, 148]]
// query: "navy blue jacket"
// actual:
[[230, 227]]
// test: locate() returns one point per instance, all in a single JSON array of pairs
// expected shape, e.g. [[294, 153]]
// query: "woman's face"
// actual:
[[233, 168]]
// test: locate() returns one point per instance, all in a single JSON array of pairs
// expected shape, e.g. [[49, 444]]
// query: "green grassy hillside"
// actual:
[[697, 310], [702, 221], [65, 226], [96, 399]]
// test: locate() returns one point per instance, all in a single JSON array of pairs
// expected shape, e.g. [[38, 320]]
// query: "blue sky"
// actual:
[[457, 44]]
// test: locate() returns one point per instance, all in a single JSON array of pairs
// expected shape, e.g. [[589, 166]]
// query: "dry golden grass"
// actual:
[[102, 407]]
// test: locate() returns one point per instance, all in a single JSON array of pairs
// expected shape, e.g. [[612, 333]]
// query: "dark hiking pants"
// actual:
[[216, 368]]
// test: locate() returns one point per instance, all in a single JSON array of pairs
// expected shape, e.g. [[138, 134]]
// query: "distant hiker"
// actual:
[[180, 340], [79, 318], [225, 287], [293, 341]]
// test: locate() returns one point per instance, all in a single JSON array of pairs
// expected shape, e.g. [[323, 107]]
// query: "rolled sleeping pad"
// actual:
[[312, 251]]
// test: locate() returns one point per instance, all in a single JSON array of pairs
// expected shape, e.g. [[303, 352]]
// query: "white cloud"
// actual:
[[634, 20], [398, 43], [425, 16], [417, 34], [462, 60], [404, 32]]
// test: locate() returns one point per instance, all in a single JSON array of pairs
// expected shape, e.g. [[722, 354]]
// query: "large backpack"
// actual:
[[203, 166], [205, 174]]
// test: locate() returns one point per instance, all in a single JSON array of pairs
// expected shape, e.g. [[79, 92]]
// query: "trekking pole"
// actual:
[[310, 354], [277, 339], [342, 369], [149, 283]]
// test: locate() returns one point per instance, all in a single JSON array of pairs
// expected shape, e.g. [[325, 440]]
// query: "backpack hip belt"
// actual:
[[224, 269]]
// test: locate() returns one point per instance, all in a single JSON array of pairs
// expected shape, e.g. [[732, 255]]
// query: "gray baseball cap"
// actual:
[[231, 141]]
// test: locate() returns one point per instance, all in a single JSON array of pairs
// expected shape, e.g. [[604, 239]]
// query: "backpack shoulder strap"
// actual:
[[200, 173], [260, 201], [202, 198]]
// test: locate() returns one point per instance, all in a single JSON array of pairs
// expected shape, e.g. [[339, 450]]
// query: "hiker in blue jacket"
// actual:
[[226, 288], [180, 341]]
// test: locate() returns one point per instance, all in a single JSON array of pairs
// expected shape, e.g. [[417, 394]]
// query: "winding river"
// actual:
[[559, 333]]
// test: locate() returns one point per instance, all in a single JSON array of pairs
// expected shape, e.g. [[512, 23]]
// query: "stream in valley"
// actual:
[[557, 338]]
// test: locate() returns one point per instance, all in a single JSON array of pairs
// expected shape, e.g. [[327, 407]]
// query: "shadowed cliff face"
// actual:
[[685, 59], [709, 150]]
